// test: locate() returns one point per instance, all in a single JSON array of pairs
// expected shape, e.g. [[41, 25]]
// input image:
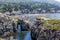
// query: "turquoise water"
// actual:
[[24, 35], [28, 36]]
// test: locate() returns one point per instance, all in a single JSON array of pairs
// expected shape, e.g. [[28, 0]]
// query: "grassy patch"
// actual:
[[52, 23]]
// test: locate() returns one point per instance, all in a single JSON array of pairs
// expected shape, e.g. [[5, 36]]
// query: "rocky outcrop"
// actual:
[[24, 25], [6, 24], [10, 24], [40, 32]]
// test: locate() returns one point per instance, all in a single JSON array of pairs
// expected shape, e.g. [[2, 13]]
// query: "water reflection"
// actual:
[[28, 36], [19, 28]]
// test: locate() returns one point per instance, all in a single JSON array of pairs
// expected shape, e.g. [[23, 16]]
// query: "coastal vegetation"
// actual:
[[29, 7], [53, 23]]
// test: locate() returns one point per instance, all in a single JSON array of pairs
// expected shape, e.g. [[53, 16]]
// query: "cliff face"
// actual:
[[13, 21], [6, 20]]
